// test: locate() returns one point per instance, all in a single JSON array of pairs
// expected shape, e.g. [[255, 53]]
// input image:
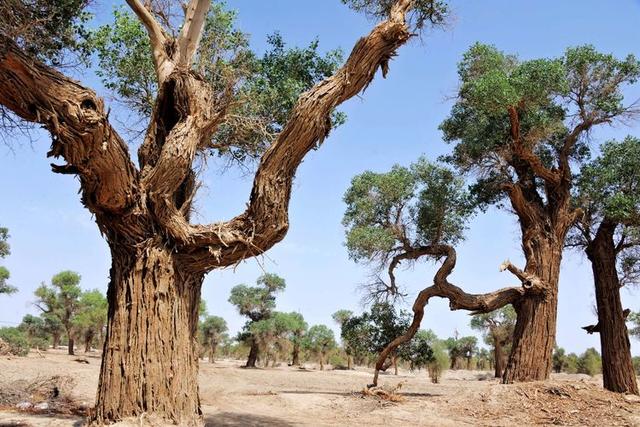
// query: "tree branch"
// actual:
[[194, 19], [596, 328], [162, 62], [459, 299], [75, 117], [265, 221]]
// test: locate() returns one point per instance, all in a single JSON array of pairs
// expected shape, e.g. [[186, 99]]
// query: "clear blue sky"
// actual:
[[394, 121]]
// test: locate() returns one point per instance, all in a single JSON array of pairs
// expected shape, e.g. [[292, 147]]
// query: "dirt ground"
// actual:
[[285, 396]]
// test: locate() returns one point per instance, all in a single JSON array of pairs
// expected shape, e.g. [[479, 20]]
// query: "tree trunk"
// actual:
[[56, 340], [212, 352], [253, 355], [321, 362], [150, 362], [394, 360], [88, 337], [617, 366], [454, 361], [535, 330], [349, 362], [498, 357], [295, 356], [70, 345]]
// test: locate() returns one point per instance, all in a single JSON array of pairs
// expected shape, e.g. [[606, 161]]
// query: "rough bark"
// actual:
[[617, 365], [56, 340], [253, 355], [70, 345], [212, 352], [498, 356], [295, 355]]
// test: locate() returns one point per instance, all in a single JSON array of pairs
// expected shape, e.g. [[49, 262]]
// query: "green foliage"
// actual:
[[264, 89], [320, 340], [5, 250], [91, 316], [559, 359], [420, 205], [420, 349], [341, 316], [212, 330], [547, 94], [61, 300], [36, 332], [463, 347], [45, 29], [424, 13], [497, 326], [634, 330], [257, 302], [590, 362], [16, 340], [572, 362], [440, 361]]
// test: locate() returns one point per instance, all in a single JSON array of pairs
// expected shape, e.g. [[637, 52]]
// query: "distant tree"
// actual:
[[634, 318], [35, 331], [212, 329], [608, 192], [461, 348], [341, 317], [5, 251], [257, 303], [320, 341], [559, 359], [440, 361], [54, 327], [497, 327], [61, 300], [590, 362], [419, 352], [91, 318], [484, 359], [572, 362], [296, 328], [520, 126], [16, 340]]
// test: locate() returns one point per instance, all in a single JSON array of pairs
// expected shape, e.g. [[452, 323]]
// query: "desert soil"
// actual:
[[285, 396]]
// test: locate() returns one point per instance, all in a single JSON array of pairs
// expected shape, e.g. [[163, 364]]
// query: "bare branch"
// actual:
[[161, 60], [194, 19]]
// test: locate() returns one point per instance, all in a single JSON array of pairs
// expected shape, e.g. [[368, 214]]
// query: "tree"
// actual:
[[560, 362], [440, 361], [91, 317], [341, 317], [419, 352], [320, 340], [609, 233], [297, 328], [35, 331], [212, 329], [590, 362], [159, 256], [411, 214], [5, 251], [463, 347], [53, 326], [62, 301], [497, 327], [519, 126], [256, 303]]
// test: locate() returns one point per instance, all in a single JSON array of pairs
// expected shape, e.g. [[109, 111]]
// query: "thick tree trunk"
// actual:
[[56, 340], [498, 357], [617, 366], [150, 362], [70, 345], [535, 330], [253, 355], [88, 337], [454, 362]]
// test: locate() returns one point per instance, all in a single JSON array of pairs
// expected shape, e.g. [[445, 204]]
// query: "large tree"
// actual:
[[319, 340], [257, 303], [497, 327], [608, 191], [159, 256], [519, 126], [411, 214], [61, 301], [5, 250]]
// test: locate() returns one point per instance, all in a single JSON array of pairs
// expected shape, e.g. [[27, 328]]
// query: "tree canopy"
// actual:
[[5, 250]]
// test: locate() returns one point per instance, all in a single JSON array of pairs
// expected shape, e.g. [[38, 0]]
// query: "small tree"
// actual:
[[297, 328], [91, 318], [35, 331], [590, 362], [212, 330], [440, 361], [340, 317], [419, 352], [497, 328], [560, 362], [256, 303], [608, 191], [62, 301], [461, 348], [320, 341], [5, 251]]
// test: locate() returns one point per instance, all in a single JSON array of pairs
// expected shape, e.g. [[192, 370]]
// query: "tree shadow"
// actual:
[[239, 419], [336, 393]]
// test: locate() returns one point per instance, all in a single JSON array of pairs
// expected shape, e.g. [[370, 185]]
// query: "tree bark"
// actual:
[[70, 344], [295, 355], [153, 312], [253, 355], [394, 360], [88, 337], [349, 362], [498, 356], [212, 352], [617, 365], [56, 340], [535, 330], [321, 362]]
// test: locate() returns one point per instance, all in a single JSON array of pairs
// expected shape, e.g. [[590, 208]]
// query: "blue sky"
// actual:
[[394, 121]]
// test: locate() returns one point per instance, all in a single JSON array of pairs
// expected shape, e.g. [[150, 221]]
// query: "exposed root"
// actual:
[[382, 393]]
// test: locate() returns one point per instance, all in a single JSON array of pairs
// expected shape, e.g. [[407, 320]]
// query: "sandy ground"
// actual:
[[284, 396]]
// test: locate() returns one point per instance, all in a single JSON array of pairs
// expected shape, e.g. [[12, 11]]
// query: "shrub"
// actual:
[[439, 362], [590, 362], [16, 341]]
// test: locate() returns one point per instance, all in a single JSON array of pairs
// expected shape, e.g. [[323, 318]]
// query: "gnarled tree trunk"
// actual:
[[253, 355], [535, 331], [153, 312], [617, 365]]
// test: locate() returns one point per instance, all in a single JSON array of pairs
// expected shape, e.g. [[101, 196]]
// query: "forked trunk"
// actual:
[[498, 356], [150, 362], [535, 331], [617, 366], [253, 355]]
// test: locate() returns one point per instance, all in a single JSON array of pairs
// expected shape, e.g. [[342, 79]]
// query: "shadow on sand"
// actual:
[[238, 419]]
